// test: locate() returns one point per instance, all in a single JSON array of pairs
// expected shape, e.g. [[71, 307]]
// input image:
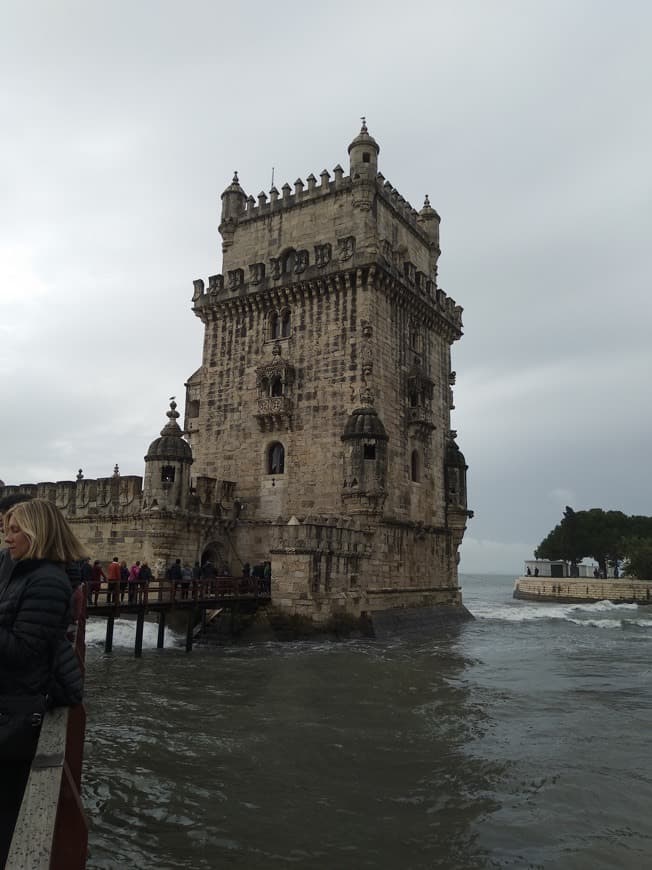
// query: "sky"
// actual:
[[529, 124]]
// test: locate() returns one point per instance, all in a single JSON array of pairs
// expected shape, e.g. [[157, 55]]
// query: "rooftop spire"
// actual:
[[172, 427]]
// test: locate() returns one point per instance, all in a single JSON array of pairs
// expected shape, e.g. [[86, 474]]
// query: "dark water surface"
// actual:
[[518, 740]]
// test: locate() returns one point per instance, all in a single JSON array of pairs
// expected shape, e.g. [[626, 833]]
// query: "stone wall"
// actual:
[[582, 589]]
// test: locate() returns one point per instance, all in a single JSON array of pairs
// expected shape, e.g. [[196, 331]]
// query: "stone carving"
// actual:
[[235, 278], [323, 254], [346, 247], [257, 273], [300, 262], [275, 267], [367, 397], [215, 284], [198, 289], [410, 272]]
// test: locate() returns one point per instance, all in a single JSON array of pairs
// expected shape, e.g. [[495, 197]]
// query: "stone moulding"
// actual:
[[436, 311]]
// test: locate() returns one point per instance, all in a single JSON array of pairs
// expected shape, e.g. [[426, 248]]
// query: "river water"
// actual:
[[520, 739]]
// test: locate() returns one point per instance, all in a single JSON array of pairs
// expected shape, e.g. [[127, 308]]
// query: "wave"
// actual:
[[613, 615], [124, 634]]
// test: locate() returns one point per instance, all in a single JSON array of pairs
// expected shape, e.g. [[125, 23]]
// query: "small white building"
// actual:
[[558, 568]]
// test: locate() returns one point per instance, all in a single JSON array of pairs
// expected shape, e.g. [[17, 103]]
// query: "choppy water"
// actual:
[[518, 740]]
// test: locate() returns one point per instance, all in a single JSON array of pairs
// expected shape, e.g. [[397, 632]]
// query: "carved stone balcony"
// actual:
[[419, 419], [274, 412]]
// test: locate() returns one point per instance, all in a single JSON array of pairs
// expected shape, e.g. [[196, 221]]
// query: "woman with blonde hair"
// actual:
[[34, 616]]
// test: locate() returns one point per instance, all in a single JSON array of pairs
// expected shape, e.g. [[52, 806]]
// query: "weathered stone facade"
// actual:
[[318, 425]]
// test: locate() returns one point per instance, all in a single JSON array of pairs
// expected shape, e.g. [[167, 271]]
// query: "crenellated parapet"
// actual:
[[87, 497], [407, 285], [301, 194]]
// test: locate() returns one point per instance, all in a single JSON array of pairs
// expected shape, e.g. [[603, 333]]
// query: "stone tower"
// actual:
[[325, 391]]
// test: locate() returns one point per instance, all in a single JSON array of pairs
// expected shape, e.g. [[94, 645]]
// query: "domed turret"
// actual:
[[234, 200], [364, 423], [365, 461], [167, 469], [455, 474], [363, 154]]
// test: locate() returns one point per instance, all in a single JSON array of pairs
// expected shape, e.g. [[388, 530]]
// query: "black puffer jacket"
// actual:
[[34, 615]]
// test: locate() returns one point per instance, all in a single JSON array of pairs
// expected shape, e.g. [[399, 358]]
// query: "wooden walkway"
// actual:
[[197, 598]]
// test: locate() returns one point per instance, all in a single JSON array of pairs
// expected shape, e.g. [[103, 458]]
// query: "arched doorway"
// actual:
[[214, 553]]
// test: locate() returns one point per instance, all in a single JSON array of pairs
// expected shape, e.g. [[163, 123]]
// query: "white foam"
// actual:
[[518, 611], [124, 634], [600, 606]]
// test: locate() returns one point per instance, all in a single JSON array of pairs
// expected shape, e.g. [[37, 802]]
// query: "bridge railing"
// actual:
[[51, 832], [163, 590]]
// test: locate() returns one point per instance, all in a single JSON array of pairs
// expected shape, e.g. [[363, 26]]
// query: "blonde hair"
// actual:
[[50, 536]]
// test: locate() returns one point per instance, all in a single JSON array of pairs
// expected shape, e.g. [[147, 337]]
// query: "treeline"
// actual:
[[609, 537]]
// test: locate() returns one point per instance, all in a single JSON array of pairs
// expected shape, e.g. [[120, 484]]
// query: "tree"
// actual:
[[638, 562], [596, 533]]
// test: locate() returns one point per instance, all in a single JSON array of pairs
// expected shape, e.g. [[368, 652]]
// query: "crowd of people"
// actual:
[[123, 584]]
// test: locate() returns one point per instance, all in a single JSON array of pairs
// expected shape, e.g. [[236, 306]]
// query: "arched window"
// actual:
[[274, 325], [285, 324], [414, 466], [276, 458], [167, 474], [276, 388]]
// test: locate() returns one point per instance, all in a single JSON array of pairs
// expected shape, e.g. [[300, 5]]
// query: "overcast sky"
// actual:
[[529, 124]]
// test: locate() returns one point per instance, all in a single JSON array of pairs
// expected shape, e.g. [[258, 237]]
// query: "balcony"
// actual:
[[274, 412]]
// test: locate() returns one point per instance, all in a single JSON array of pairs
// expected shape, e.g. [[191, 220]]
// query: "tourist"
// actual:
[[124, 580], [208, 576], [132, 581], [6, 562], [145, 578], [86, 576], [113, 580], [34, 616], [97, 577], [175, 574], [186, 580], [529, 571]]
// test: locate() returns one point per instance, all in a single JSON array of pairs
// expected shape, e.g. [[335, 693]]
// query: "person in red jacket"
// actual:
[[113, 578]]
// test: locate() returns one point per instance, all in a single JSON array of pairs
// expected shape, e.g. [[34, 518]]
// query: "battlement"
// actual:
[[311, 192], [87, 497], [312, 274]]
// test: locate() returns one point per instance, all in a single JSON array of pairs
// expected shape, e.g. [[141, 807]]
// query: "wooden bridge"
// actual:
[[199, 599]]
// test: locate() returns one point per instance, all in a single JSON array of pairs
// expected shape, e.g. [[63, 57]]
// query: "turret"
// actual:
[[234, 203], [455, 476], [365, 460], [429, 221], [363, 155], [167, 467]]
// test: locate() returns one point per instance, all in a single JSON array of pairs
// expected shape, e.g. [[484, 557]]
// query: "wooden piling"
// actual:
[[108, 643], [190, 629], [140, 624], [160, 640]]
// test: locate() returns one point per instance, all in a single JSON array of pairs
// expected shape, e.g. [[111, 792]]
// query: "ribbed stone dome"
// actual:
[[364, 138], [170, 445], [364, 423]]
